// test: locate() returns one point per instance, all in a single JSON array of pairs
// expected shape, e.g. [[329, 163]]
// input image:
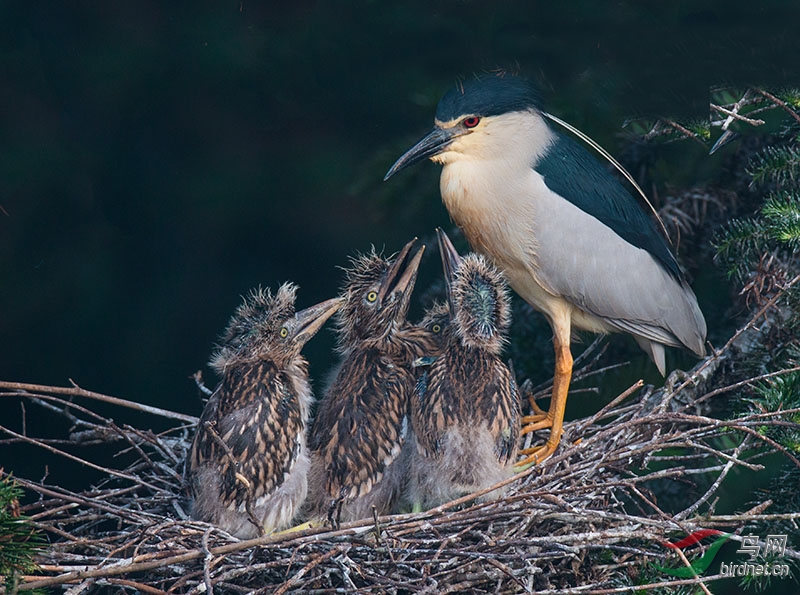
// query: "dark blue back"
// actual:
[[571, 171]]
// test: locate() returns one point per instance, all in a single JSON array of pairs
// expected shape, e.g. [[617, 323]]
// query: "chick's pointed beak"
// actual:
[[402, 274], [450, 257], [436, 141], [307, 322], [450, 263]]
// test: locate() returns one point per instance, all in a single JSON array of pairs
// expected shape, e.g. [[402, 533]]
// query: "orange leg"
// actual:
[[554, 418]]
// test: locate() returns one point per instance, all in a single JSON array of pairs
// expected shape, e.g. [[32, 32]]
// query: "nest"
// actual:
[[585, 521]]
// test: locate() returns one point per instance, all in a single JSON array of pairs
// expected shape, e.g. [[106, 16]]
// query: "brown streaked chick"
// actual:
[[249, 462], [465, 410], [361, 424]]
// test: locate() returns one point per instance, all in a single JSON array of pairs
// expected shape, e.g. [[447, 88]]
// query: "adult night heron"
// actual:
[[569, 238]]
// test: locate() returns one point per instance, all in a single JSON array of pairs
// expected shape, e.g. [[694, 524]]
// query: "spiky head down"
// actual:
[[436, 321], [480, 300], [255, 329]]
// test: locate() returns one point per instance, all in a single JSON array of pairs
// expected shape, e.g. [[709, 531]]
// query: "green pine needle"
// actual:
[[777, 394], [19, 543], [782, 212], [740, 243], [790, 97], [776, 165]]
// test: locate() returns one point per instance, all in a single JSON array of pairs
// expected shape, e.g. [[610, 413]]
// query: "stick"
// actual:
[[82, 461], [80, 392]]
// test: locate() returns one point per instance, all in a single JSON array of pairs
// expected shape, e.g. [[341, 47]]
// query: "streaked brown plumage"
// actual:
[[361, 423], [248, 464], [465, 410]]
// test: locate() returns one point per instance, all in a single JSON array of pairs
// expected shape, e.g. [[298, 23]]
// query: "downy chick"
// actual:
[[361, 424], [248, 464], [465, 410]]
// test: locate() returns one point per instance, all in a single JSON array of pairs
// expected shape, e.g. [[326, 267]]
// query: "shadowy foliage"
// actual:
[[19, 542]]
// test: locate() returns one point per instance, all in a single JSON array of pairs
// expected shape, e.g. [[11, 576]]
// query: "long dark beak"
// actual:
[[402, 273], [307, 322], [450, 259], [724, 139], [436, 141]]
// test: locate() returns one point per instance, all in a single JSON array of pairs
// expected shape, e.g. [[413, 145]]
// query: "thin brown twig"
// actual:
[[779, 102], [77, 391], [207, 563], [714, 487], [692, 379], [308, 567], [77, 459], [688, 565], [736, 115]]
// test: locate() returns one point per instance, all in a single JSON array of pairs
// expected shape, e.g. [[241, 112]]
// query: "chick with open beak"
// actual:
[[362, 421]]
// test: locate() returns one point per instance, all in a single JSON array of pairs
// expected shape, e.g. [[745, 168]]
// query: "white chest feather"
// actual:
[[492, 202]]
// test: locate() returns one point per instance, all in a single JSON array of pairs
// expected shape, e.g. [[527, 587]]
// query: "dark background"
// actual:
[[158, 161]]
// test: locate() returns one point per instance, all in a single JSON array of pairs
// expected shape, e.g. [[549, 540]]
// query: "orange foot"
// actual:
[[531, 423], [536, 454], [539, 420]]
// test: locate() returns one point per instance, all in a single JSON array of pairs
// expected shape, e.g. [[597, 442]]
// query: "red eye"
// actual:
[[471, 122]]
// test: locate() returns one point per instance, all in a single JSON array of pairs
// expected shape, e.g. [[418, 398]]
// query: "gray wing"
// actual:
[[593, 268]]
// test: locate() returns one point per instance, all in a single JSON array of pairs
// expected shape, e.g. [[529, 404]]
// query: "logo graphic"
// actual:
[[700, 565]]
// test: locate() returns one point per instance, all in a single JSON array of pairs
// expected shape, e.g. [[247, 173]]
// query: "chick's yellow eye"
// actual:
[[284, 332], [436, 328], [372, 296]]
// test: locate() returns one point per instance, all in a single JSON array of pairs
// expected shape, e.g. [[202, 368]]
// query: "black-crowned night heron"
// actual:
[[248, 464], [361, 423], [465, 411], [568, 237]]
